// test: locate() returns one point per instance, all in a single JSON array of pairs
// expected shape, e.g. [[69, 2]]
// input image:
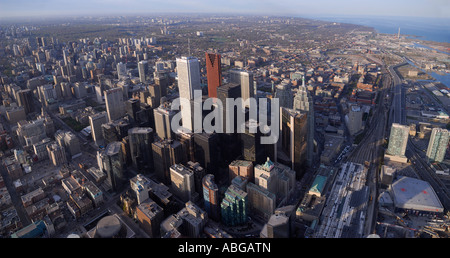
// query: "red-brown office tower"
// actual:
[[213, 73]]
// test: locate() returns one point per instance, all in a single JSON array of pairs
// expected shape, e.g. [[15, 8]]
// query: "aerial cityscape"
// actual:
[[221, 125]]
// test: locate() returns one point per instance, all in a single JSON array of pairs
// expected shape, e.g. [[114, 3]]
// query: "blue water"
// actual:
[[433, 29]]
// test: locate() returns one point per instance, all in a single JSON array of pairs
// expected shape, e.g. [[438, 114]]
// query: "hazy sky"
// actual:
[[414, 8]]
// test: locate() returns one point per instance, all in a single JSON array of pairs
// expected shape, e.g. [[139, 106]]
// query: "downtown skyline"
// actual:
[[320, 8]]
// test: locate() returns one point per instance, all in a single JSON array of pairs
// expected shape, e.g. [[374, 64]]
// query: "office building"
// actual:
[[114, 103], [112, 164], [233, 91], [234, 207], [188, 222], [150, 216], [141, 139], [303, 102], [280, 223], [199, 173], [163, 116], [188, 72], [293, 139], [245, 79], [25, 100], [96, 121], [398, 140], [213, 73], [57, 154], [438, 144], [182, 182], [284, 93], [243, 168], [143, 71], [70, 141], [165, 154], [275, 178], [251, 147], [206, 148], [115, 130], [122, 71], [140, 185], [132, 106], [354, 119], [211, 197]]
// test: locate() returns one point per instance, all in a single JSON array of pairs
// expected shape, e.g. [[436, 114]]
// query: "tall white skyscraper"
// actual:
[[115, 106], [188, 70]]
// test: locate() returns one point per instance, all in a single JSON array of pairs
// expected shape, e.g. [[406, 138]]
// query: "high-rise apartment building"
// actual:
[[213, 73], [437, 146], [398, 140], [114, 103]]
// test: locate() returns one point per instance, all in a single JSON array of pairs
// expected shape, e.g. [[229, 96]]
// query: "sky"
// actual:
[[301, 8]]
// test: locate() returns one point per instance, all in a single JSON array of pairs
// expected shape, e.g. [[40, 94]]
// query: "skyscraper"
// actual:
[[234, 207], [211, 197], [165, 154], [293, 138], [25, 100], [114, 103], [132, 106], [143, 70], [245, 79], [188, 71], [398, 140], [121, 70], [112, 164], [437, 146], [213, 73], [182, 182], [207, 151], [303, 101], [163, 116], [141, 139], [284, 94], [233, 91]]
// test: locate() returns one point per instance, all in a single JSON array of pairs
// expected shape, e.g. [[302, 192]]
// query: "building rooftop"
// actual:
[[415, 194]]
